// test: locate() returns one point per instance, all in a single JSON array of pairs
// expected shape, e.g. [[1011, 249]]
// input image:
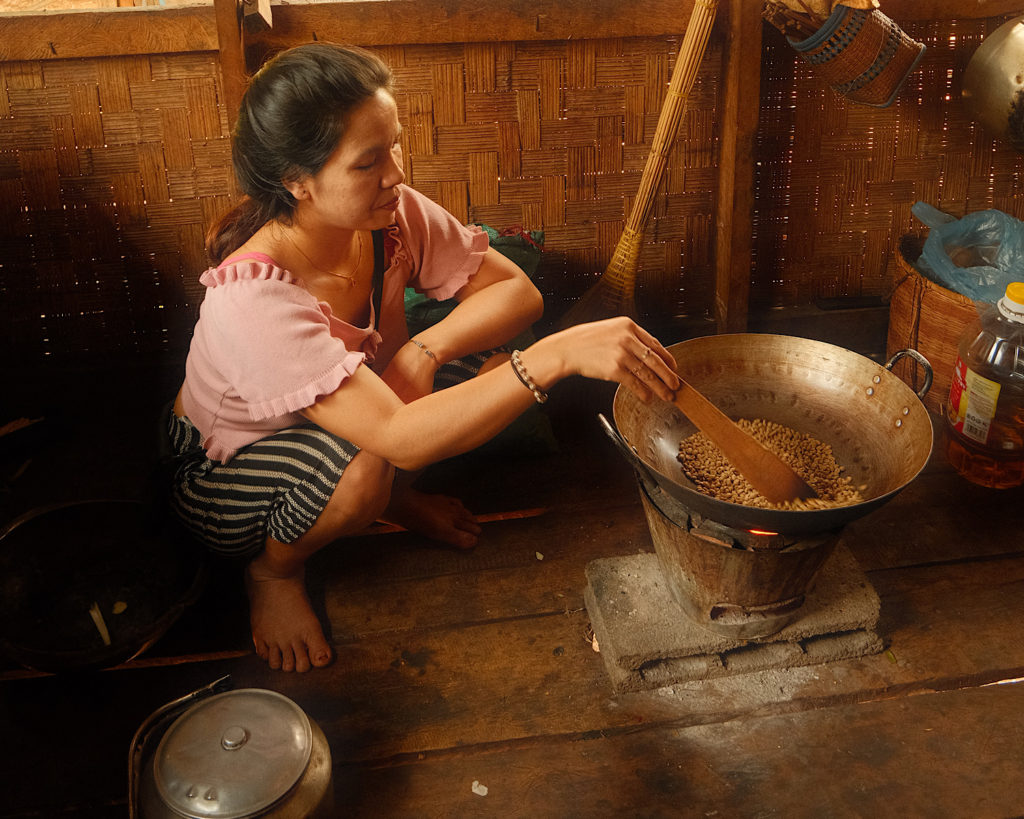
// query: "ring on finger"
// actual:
[[647, 352]]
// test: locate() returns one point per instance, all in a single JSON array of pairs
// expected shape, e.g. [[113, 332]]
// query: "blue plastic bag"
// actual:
[[976, 256]]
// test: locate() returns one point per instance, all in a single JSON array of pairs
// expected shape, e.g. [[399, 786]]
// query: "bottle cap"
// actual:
[[1012, 304]]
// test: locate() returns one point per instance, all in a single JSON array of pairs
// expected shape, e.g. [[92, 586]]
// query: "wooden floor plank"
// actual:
[[938, 517], [462, 666], [413, 692], [954, 753], [521, 567]]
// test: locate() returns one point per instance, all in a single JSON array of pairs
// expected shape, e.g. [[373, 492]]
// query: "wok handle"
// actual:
[[920, 359], [627, 451]]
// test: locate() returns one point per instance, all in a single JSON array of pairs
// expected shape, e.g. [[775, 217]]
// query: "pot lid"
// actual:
[[233, 755]]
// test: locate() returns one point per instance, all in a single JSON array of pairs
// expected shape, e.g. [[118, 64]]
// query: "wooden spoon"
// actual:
[[766, 471]]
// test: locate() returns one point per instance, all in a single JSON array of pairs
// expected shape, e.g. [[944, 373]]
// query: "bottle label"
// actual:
[[972, 402]]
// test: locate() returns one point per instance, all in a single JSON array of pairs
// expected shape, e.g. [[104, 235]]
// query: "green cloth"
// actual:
[[531, 432], [522, 247]]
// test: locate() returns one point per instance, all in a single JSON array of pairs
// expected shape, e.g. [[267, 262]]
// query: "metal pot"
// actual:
[[993, 83], [876, 425], [232, 755]]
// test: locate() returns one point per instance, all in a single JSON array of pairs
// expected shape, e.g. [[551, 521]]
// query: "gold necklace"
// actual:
[[349, 277]]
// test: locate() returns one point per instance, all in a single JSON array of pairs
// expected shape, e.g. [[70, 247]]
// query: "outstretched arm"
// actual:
[[367, 412]]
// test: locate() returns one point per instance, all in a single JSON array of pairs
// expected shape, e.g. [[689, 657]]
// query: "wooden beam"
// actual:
[[909, 10], [231, 54], [734, 206], [106, 33], [389, 22], [161, 30], [156, 30]]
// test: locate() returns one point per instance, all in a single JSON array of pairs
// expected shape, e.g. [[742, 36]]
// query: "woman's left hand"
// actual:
[[410, 374]]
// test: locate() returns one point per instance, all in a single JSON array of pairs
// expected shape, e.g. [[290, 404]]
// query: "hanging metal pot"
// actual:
[[993, 83], [233, 755]]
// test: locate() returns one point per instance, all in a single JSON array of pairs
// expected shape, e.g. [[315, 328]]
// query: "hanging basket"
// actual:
[[862, 54]]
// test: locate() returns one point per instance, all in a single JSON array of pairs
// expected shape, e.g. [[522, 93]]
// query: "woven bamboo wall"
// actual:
[[836, 181], [111, 169], [554, 136]]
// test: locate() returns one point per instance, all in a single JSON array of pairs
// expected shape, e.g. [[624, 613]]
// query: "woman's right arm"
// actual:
[[366, 412]]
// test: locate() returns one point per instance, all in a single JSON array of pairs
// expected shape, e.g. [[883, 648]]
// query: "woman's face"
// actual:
[[356, 189]]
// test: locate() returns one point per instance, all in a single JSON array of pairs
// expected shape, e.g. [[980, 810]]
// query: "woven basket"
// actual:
[[862, 54], [927, 317]]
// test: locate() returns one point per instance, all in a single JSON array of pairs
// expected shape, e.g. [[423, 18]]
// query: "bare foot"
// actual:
[[285, 630], [438, 517]]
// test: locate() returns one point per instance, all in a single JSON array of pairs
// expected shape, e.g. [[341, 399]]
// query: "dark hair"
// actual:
[[291, 120]]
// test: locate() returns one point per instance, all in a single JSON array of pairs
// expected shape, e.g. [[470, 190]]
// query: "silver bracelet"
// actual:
[[425, 349], [522, 375]]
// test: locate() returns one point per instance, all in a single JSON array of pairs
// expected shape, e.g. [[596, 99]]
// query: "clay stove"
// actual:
[[714, 601]]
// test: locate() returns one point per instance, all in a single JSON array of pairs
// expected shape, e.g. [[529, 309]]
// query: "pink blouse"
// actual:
[[265, 348]]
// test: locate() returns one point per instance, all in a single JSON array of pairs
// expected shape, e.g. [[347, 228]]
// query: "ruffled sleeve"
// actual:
[[442, 253], [271, 339]]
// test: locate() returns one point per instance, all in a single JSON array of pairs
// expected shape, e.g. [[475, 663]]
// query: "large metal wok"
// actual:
[[876, 425]]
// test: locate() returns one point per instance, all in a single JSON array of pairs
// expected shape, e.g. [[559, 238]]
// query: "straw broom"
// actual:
[[613, 294]]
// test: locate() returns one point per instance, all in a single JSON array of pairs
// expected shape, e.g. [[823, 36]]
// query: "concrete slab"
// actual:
[[647, 641]]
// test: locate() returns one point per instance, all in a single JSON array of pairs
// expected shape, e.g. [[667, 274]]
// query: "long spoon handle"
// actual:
[[766, 472]]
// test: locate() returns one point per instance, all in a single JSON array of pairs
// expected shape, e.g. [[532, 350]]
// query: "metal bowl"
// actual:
[[91, 584]]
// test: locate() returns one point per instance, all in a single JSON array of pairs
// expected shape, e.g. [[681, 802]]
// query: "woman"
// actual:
[[303, 393]]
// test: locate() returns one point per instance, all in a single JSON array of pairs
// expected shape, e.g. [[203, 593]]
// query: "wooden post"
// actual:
[[231, 54], [735, 206]]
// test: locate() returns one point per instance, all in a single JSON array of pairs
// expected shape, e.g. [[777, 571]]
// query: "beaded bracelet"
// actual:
[[425, 349], [520, 371]]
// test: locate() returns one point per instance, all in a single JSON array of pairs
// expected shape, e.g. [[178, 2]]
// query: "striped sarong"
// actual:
[[276, 487]]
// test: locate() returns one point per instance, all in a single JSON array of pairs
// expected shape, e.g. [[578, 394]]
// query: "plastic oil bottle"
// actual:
[[985, 411]]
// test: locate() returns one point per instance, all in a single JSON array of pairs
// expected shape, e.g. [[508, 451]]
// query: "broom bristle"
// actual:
[[612, 295], [599, 302]]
